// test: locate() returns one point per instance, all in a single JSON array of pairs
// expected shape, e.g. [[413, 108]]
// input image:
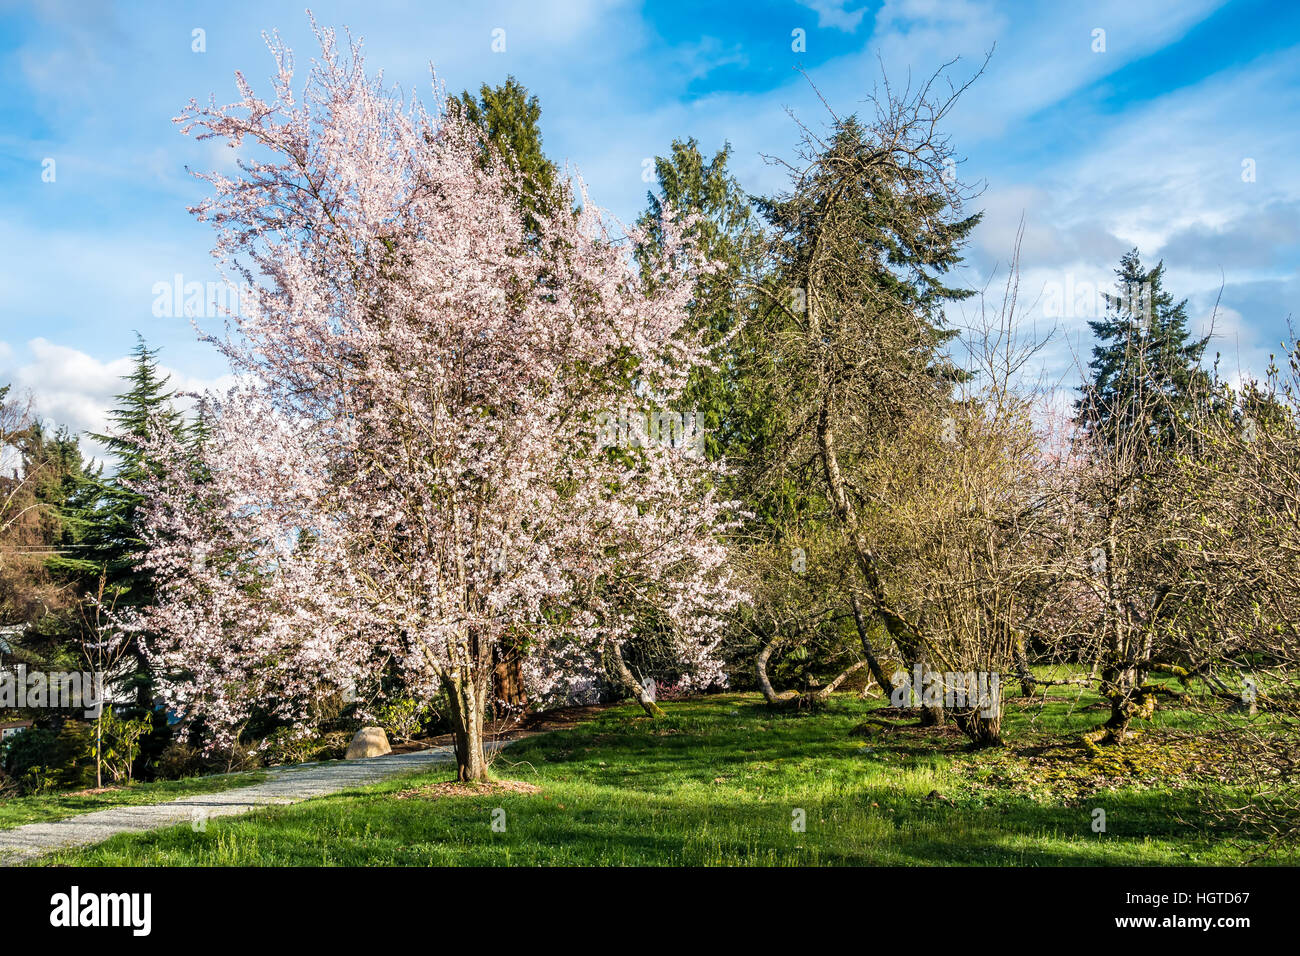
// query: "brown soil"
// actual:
[[454, 788]]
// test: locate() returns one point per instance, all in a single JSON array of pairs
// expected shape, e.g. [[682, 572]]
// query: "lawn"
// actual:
[[726, 780], [45, 808]]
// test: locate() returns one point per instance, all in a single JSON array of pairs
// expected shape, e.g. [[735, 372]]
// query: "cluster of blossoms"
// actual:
[[411, 468]]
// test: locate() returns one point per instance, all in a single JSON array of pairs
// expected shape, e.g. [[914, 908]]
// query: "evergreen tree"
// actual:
[[509, 118], [862, 244], [730, 236], [59, 475], [39, 532], [108, 509], [1146, 366], [884, 234]]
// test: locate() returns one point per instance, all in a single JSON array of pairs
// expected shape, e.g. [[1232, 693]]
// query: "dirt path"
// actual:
[[286, 785]]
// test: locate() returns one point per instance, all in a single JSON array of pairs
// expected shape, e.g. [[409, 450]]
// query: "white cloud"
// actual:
[[73, 389], [1163, 175], [836, 13]]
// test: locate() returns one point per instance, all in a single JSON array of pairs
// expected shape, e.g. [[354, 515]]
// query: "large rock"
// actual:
[[369, 742]]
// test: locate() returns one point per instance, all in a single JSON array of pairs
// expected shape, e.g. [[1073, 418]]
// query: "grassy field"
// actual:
[[724, 780], [44, 808]]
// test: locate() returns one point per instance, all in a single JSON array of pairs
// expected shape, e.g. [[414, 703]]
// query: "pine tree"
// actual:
[[887, 233], [1146, 366], [108, 509]]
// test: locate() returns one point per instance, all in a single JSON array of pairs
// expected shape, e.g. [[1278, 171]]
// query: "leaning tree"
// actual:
[[413, 467], [863, 241]]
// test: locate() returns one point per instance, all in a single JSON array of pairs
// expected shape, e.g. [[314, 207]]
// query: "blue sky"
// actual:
[[1144, 143]]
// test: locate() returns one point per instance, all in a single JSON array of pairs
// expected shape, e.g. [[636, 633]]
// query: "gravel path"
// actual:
[[285, 785]]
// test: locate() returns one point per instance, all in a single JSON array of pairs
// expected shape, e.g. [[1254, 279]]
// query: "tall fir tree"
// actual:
[[896, 235], [109, 508], [862, 243], [1146, 365]]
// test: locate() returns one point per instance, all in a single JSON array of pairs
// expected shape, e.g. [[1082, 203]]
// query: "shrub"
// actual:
[[120, 745], [402, 717], [287, 745], [74, 755], [30, 759], [179, 759]]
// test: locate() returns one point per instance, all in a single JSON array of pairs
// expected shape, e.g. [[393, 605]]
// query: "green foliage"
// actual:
[[40, 760], [727, 235], [889, 235], [120, 743], [403, 717], [30, 757], [1145, 368], [55, 468], [107, 511], [75, 755], [509, 118], [179, 759], [37, 527], [288, 745], [110, 510]]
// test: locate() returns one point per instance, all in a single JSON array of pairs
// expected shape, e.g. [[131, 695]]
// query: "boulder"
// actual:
[[369, 742]]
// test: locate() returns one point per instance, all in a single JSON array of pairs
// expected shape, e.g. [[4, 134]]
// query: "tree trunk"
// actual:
[[1129, 697], [909, 643], [760, 672], [1119, 678], [864, 636], [791, 698], [983, 731], [623, 674], [981, 719], [824, 692], [466, 713], [508, 680], [1026, 673], [144, 689]]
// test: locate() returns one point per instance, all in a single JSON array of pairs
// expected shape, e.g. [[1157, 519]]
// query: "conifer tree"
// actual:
[[862, 243], [509, 118], [108, 509], [728, 235], [1146, 366]]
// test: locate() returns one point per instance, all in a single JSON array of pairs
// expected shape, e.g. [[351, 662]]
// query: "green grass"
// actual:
[[45, 808], [718, 781]]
